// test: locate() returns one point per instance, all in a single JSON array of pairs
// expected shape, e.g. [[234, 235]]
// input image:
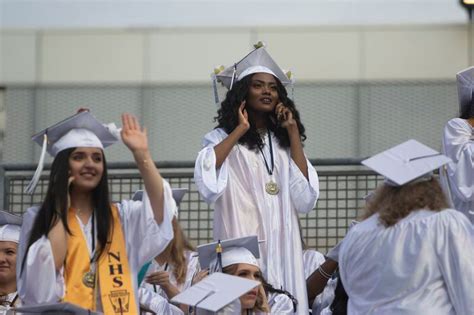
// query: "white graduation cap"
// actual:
[[10, 227], [406, 162], [215, 291], [232, 251], [55, 308], [79, 130], [465, 83], [257, 61]]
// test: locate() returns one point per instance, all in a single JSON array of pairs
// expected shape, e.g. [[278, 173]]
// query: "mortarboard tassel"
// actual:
[[214, 87], [30, 189], [233, 76], [219, 256]]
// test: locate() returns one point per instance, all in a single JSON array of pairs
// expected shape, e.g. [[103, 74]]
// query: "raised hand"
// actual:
[[133, 136], [243, 116], [285, 116], [161, 278]]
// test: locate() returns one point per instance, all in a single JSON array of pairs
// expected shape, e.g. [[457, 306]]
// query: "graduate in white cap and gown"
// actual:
[[253, 169], [78, 246], [457, 177], [170, 272], [238, 257], [9, 238], [412, 254]]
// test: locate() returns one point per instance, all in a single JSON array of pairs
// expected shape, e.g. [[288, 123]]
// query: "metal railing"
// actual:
[[343, 184]]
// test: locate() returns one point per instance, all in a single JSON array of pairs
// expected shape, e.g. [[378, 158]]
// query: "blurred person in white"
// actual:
[[170, 272], [411, 254], [238, 257], [320, 288], [457, 177], [78, 246], [9, 238], [253, 168]]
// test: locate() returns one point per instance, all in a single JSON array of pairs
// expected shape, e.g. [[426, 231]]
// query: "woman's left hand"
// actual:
[[285, 116], [161, 278], [133, 136]]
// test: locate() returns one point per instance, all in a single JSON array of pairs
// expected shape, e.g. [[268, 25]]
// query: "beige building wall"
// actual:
[[189, 55]]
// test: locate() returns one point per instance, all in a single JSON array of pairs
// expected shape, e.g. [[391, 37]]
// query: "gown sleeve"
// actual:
[[38, 283], [280, 304], [454, 248], [211, 182], [146, 238], [156, 303], [303, 192], [458, 145]]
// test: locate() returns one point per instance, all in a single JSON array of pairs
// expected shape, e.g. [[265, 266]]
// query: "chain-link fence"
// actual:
[[341, 197], [342, 119]]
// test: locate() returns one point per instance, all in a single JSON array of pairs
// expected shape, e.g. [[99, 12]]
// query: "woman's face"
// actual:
[[86, 165], [262, 95], [251, 272], [7, 262]]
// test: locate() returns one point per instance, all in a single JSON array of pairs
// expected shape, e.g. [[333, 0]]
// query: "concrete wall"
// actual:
[[359, 89], [189, 55]]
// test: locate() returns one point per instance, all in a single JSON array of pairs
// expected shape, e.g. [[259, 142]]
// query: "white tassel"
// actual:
[[214, 87], [30, 189], [233, 77]]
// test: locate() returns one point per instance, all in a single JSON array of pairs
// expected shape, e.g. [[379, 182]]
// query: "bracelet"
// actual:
[[323, 273]]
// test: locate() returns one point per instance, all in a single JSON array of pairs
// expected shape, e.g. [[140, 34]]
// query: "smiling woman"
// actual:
[[78, 244], [9, 236]]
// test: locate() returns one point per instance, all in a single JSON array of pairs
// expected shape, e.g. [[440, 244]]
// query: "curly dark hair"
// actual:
[[228, 119]]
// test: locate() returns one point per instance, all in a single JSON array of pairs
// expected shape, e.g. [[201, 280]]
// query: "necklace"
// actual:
[[271, 187], [89, 277]]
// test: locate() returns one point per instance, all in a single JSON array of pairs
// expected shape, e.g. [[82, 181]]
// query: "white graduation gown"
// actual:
[[144, 238], [156, 303], [458, 179], [280, 304], [421, 265], [243, 207], [312, 259], [4, 309], [157, 298]]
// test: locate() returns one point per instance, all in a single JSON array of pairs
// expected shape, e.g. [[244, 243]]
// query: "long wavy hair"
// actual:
[[55, 205], [468, 112], [228, 119], [395, 203], [261, 305], [176, 252]]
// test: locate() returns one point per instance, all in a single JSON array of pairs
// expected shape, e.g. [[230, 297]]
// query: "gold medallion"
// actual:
[[89, 279], [272, 188]]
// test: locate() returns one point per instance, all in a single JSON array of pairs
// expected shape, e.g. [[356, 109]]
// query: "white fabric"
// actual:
[[255, 69], [421, 265], [324, 300], [280, 304], [159, 300], [238, 255], [10, 233], [156, 303], [145, 239], [458, 177], [193, 268], [76, 138], [312, 259], [243, 208], [9, 297]]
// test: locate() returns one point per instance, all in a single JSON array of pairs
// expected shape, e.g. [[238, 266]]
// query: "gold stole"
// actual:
[[114, 275]]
